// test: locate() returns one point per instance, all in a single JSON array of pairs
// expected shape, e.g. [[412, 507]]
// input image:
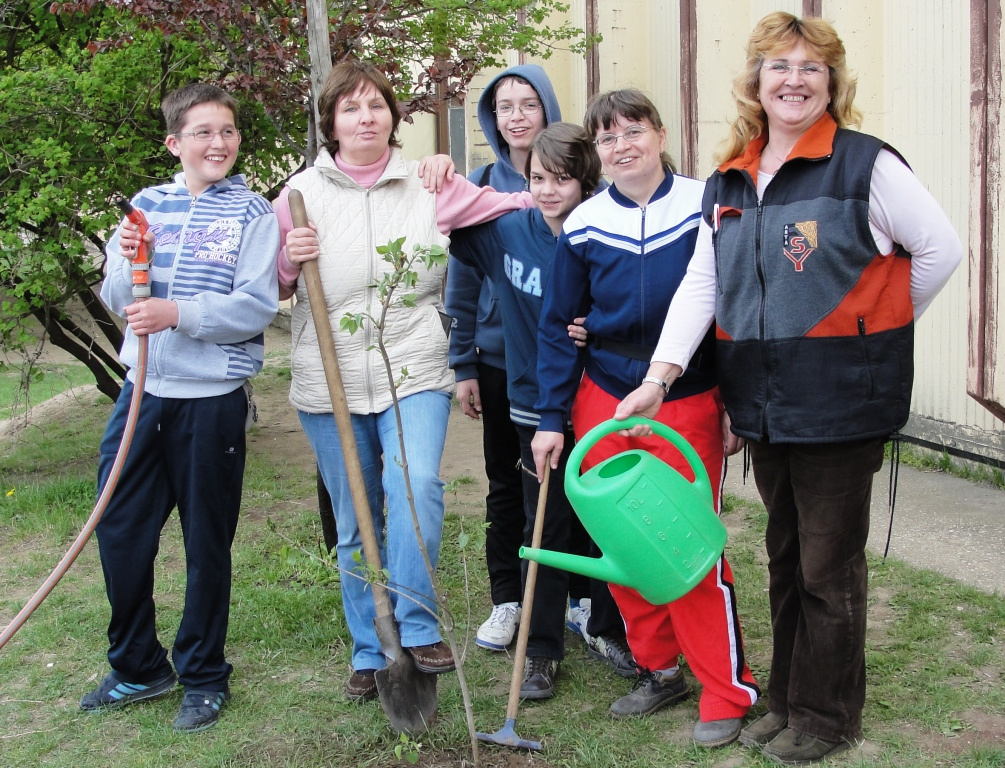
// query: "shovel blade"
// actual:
[[407, 696]]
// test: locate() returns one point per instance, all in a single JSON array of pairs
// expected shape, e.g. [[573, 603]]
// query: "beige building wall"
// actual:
[[912, 59]]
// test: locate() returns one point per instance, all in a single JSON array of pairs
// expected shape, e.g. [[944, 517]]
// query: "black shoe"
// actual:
[[792, 747], [763, 729], [539, 675], [651, 692], [114, 693], [613, 650], [200, 710]]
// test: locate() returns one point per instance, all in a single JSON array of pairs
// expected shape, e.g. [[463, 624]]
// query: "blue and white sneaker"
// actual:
[[114, 693], [577, 617], [200, 710], [497, 631]]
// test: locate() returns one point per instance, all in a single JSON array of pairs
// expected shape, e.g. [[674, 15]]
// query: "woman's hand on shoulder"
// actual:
[[436, 170], [302, 244]]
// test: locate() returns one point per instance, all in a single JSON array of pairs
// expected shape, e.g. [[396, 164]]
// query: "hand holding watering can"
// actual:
[[659, 533]]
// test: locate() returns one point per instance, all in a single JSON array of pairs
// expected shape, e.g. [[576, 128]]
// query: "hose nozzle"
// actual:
[[141, 264]]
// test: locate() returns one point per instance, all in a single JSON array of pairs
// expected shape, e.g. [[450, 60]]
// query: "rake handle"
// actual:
[[528, 600]]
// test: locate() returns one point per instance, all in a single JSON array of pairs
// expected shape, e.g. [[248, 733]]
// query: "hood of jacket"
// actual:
[[536, 76]]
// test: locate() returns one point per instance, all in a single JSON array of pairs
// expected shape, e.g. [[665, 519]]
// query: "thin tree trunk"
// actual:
[[93, 356]]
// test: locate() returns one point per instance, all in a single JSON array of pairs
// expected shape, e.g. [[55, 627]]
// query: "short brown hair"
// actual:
[[176, 104], [630, 103], [341, 83], [511, 80], [567, 148], [775, 33]]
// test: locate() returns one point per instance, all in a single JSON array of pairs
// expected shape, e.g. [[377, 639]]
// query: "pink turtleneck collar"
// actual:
[[364, 175]]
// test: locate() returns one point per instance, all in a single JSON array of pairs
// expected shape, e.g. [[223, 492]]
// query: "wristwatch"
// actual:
[[660, 382]]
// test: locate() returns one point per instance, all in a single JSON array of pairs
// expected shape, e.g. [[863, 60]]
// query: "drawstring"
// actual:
[[746, 460], [895, 439]]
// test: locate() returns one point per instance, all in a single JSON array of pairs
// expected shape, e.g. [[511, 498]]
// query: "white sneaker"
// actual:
[[576, 619], [498, 630]]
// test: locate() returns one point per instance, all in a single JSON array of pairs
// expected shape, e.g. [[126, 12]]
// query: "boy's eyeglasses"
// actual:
[[227, 134], [631, 135], [530, 108]]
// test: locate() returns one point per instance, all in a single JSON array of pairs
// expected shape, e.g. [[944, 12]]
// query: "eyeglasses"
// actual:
[[530, 108], [631, 135], [227, 134], [808, 70]]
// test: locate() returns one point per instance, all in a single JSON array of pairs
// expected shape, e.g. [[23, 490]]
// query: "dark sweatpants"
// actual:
[[547, 624], [188, 453], [504, 502]]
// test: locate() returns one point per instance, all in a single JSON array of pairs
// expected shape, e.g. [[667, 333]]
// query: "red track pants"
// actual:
[[703, 625]]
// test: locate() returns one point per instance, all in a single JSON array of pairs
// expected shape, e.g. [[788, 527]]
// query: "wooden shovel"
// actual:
[[407, 695]]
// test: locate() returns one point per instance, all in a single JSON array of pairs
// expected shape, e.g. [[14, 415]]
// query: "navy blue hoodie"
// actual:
[[516, 252], [476, 334]]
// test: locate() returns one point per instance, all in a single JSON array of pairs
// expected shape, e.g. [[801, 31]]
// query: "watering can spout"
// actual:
[[602, 568]]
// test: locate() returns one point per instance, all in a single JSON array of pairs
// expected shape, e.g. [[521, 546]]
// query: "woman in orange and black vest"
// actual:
[[818, 250]]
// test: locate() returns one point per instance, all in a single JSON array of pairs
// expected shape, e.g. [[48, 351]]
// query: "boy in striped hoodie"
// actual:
[[213, 293]]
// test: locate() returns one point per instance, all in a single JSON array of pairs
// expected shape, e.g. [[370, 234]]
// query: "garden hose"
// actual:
[[141, 291]]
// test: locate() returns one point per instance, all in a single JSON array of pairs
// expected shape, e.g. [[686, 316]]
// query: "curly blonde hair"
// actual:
[[774, 34]]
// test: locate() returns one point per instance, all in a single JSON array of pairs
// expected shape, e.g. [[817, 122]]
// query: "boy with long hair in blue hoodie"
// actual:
[[515, 252], [514, 108]]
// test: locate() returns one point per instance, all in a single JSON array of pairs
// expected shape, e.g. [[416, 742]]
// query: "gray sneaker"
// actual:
[[613, 650], [717, 733], [651, 692], [200, 710]]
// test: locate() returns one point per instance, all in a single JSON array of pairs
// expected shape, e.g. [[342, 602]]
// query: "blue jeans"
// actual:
[[424, 425]]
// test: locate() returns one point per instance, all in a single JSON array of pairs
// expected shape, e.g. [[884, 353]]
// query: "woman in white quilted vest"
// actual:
[[362, 193]]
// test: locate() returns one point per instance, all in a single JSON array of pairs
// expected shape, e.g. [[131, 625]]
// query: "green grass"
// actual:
[[48, 380], [935, 653], [922, 458]]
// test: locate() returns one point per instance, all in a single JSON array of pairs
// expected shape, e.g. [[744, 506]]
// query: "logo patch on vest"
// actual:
[[800, 242]]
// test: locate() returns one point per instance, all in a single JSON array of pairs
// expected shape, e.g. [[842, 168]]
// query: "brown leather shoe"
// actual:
[[362, 685], [433, 659]]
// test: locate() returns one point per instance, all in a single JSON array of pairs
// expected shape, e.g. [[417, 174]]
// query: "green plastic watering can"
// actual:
[[658, 532]]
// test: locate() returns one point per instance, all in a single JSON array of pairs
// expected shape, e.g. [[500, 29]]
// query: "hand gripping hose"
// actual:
[[141, 291]]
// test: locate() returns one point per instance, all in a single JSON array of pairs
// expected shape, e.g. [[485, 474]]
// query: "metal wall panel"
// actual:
[[912, 58]]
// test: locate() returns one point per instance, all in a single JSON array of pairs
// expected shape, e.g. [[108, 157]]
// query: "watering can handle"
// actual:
[[605, 428]]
